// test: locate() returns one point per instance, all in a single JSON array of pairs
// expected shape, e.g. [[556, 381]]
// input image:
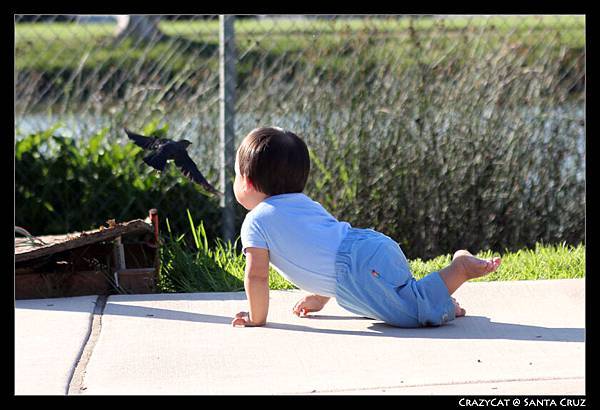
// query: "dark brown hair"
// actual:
[[275, 160]]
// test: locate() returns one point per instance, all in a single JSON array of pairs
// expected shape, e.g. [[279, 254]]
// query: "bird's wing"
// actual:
[[157, 160], [145, 142], [190, 170]]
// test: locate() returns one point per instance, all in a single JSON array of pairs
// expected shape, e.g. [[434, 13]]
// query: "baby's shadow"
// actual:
[[333, 317], [480, 327], [469, 327]]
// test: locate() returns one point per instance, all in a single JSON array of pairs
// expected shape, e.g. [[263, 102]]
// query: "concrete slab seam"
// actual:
[[402, 386], [75, 385]]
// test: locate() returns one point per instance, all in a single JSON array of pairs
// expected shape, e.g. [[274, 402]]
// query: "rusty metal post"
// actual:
[[153, 216], [119, 254]]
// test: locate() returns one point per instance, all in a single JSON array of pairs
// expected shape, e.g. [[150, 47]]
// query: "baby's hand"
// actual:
[[311, 303]]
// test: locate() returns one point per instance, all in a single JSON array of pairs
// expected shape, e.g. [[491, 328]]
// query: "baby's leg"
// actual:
[[465, 266]]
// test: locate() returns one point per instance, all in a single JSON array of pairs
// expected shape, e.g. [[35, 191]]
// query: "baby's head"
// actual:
[[270, 161]]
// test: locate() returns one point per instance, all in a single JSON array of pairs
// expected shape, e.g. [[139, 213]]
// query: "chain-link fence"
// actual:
[[443, 132]]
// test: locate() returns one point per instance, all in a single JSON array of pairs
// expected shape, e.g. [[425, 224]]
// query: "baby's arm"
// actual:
[[256, 283]]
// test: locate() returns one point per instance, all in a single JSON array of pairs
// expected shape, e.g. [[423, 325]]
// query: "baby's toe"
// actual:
[[494, 263]]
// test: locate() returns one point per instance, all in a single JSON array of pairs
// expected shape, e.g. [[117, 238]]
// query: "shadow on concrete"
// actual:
[[468, 327], [471, 327], [481, 327]]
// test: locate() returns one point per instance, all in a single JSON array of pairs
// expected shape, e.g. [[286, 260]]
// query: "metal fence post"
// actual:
[[227, 83]]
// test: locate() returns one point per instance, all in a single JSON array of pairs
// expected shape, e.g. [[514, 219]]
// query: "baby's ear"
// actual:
[[249, 183]]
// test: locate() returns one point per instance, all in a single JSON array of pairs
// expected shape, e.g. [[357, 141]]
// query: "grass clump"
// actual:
[[199, 267], [544, 261]]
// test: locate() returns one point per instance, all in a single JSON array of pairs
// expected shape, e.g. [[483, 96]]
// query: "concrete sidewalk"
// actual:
[[525, 337]]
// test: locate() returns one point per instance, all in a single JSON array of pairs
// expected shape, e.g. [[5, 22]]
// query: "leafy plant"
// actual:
[[198, 267], [71, 184]]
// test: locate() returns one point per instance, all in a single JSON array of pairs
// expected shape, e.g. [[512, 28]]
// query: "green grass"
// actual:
[[504, 25], [200, 267], [71, 46], [64, 31], [543, 262], [194, 266], [74, 63]]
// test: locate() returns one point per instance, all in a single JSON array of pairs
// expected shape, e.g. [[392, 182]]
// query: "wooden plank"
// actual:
[[137, 281], [59, 243], [39, 285], [53, 285], [137, 271]]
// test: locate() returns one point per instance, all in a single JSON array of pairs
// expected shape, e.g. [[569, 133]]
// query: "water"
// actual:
[[204, 132]]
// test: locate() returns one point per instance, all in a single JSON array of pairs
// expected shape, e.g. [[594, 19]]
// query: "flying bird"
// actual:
[[164, 149]]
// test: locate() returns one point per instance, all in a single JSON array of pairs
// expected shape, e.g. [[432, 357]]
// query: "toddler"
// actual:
[[364, 270]]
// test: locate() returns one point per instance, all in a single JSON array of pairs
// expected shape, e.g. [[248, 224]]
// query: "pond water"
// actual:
[[568, 119]]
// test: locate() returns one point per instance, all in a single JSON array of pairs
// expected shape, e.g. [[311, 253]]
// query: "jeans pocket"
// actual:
[[388, 265]]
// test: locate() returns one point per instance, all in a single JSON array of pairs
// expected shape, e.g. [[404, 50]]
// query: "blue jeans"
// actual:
[[374, 280]]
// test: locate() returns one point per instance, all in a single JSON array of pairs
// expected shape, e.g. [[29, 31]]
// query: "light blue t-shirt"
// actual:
[[302, 239]]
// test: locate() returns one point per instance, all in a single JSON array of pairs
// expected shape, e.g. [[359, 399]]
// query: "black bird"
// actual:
[[163, 149]]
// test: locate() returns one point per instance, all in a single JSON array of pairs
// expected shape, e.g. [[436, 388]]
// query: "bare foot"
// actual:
[[473, 267], [458, 311]]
